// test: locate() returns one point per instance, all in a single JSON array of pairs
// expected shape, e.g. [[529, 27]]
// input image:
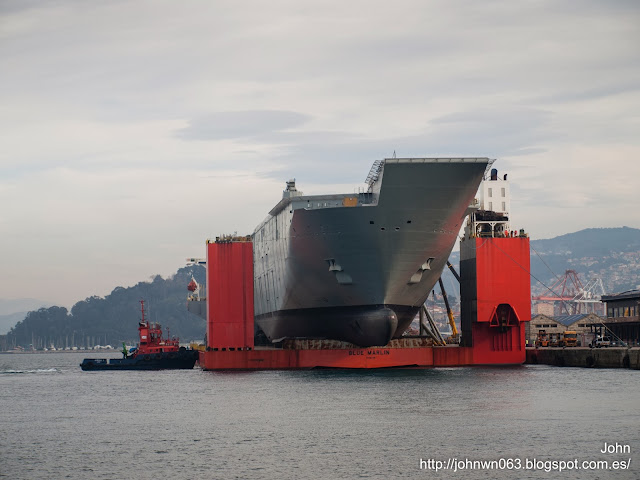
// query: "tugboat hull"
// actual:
[[153, 352], [183, 360]]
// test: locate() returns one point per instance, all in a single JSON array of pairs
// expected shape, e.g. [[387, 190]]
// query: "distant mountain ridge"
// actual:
[[9, 320], [15, 305], [591, 242], [15, 309], [612, 254]]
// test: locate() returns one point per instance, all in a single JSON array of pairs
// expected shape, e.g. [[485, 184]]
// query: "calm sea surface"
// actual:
[[57, 421]]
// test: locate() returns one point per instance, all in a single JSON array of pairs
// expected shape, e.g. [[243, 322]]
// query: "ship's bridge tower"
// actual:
[[491, 219], [291, 190], [495, 194]]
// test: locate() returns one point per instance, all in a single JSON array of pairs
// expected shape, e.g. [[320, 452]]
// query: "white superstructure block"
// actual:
[[495, 194]]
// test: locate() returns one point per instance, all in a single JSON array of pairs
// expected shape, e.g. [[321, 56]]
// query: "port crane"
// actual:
[[575, 297]]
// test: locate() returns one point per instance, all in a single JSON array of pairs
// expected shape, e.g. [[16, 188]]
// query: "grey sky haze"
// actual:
[[134, 130]]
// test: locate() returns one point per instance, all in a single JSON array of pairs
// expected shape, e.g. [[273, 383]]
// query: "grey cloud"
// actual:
[[241, 125], [343, 157], [492, 133], [524, 116], [596, 7], [318, 155], [503, 131], [526, 151], [575, 93], [14, 6]]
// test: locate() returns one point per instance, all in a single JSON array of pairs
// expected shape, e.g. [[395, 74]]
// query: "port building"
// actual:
[[584, 324], [623, 315]]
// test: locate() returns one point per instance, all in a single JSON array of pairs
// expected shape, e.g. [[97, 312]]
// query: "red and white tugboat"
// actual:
[[153, 352]]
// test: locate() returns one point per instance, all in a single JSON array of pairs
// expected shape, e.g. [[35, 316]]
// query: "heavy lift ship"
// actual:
[[494, 288]]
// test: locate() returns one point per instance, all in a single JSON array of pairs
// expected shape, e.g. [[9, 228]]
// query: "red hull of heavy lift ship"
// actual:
[[495, 289]]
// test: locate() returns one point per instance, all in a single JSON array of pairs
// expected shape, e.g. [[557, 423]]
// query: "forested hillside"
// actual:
[[114, 318]]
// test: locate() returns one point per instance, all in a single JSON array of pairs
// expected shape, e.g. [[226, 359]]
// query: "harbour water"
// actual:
[[59, 422]]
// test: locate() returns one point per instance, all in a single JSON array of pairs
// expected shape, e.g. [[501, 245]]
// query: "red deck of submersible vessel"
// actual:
[[494, 288]]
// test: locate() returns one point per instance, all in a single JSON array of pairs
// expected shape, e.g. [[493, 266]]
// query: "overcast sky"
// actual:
[[131, 131]]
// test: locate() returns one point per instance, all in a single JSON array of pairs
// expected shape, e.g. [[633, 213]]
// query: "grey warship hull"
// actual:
[[357, 267]]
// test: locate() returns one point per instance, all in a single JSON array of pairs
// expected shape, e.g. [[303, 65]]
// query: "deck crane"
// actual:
[[453, 270], [452, 322], [446, 300]]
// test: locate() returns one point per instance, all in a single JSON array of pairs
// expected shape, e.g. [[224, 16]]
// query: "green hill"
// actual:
[[114, 318]]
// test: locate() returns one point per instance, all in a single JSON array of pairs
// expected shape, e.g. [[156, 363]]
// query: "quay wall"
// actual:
[[585, 357]]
